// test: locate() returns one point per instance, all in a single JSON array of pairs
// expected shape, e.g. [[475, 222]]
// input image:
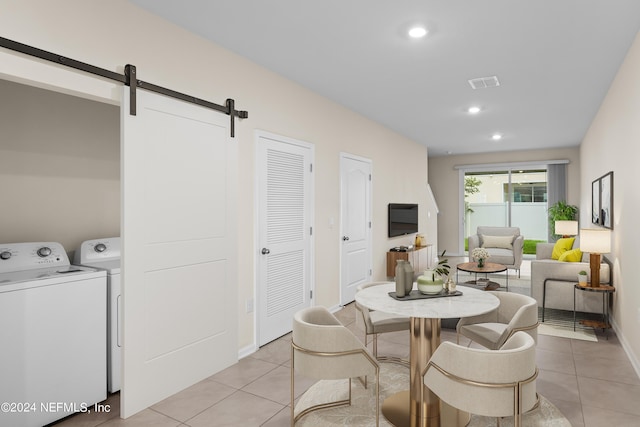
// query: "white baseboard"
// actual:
[[625, 345], [247, 351], [335, 308]]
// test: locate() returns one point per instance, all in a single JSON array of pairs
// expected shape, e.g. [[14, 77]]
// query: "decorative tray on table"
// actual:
[[416, 294]]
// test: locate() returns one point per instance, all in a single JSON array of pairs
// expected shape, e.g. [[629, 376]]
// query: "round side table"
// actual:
[[606, 291]]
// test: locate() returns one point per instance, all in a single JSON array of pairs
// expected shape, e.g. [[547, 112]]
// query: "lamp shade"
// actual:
[[595, 240], [567, 228]]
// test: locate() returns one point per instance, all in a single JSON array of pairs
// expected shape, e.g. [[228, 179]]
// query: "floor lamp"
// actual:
[[596, 241]]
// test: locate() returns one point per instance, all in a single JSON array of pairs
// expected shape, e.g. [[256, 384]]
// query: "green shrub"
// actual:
[[529, 246]]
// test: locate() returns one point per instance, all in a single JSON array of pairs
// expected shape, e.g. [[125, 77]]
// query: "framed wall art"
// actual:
[[602, 201], [595, 201]]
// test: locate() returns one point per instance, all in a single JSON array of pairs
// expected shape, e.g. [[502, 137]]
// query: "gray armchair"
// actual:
[[502, 250]]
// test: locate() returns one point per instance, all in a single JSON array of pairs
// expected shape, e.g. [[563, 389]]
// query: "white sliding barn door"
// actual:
[[179, 254], [285, 220]]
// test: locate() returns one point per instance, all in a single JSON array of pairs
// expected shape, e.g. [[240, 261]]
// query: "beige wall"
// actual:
[[613, 144], [445, 181], [59, 167], [112, 34]]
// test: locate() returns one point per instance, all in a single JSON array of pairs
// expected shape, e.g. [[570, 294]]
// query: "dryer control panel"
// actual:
[[98, 250], [31, 256]]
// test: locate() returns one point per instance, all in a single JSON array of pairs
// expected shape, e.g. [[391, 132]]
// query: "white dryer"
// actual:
[[52, 335], [104, 254]]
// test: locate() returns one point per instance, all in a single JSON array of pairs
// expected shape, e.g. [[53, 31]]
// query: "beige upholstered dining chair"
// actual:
[[516, 313], [322, 348], [376, 322], [493, 383]]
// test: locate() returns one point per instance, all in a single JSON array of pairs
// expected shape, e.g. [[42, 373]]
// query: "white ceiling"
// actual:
[[555, 60]]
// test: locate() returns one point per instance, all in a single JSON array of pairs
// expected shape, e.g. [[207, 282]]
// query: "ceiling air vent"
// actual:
[[484, 82]]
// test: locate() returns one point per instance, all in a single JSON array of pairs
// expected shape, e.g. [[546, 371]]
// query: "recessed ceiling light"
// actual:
[[496, 136], [473, 110], [417, 32]]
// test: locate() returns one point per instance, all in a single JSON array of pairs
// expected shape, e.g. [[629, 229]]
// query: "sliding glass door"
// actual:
[[506, 196]]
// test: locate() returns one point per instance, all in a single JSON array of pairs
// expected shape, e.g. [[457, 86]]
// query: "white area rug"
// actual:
[[395, 378], [559, 323], [567, 332]]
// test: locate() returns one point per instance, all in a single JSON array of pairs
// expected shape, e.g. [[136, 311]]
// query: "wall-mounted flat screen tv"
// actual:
[[403, 219]]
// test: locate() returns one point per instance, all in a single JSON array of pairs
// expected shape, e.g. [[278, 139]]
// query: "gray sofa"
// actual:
[[561, 278], [511, 257]]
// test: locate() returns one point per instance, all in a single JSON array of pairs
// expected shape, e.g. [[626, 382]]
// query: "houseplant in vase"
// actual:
[[480, 255], [582, 277], [432, 280]]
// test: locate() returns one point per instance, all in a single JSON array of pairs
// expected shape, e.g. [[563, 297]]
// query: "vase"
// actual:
[[400, 289], [408, 277], [480, 262], [451, 286], [430, 283]]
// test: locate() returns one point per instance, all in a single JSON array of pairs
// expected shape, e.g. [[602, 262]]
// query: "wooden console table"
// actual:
[[418, 262]]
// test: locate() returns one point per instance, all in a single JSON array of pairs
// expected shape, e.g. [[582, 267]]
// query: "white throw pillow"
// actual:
[[505, 242]]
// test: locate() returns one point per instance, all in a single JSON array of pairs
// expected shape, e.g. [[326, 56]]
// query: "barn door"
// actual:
[[178, 259]]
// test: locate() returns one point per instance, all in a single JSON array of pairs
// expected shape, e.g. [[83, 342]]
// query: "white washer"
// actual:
[[52, 335], [104, 254]]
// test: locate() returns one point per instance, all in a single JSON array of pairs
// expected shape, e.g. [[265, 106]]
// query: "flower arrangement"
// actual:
[[479, 253]]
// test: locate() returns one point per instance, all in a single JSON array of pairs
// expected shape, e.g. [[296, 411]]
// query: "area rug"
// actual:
[[395, 378], [559, 323]]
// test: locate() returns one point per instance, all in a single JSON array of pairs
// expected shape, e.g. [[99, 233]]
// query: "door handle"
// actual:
[[265, 251], [345, 238]]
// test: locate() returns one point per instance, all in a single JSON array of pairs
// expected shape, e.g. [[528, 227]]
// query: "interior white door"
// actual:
[[179, 256], [355, 223], [285, 232]]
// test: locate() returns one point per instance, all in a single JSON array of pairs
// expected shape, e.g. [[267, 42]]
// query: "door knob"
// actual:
[[345, 238], [265, 251]]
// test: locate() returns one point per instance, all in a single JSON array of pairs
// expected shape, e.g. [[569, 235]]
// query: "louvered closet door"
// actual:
[[285, 195]]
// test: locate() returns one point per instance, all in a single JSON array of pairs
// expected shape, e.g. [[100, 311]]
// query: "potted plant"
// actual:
[[442, 267], [582, 277], [561, 211]]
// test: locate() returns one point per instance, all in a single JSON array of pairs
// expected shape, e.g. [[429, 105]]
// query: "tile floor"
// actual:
[[593, 384]]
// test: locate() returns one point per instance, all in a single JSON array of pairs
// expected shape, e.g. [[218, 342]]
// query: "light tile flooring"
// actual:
[[593, 384]]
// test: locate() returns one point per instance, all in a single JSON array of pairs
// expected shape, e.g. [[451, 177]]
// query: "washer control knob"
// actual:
[[100, 247], [5, 255], [44, 252]]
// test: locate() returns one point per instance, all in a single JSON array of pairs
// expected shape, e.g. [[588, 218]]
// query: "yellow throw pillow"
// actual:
[[505, 242], [574, 255], [561, 246]]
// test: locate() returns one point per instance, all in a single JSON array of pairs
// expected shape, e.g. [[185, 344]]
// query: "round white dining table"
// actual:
[[419, 406]]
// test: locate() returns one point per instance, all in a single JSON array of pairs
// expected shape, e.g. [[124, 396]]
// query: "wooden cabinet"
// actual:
[[418, 256]]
